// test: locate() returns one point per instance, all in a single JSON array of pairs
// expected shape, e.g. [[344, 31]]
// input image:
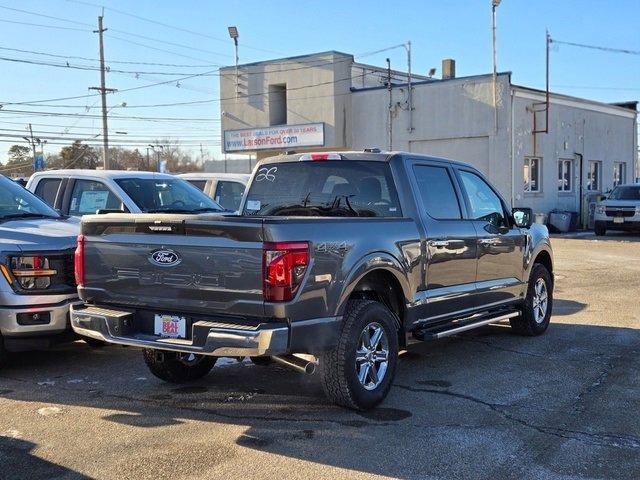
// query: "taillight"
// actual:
[[78, 262], [284, 266], [32, 272]]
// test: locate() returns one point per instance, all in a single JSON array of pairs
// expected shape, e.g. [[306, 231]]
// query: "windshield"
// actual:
[[334, 188], [631, 192], [16, 202], [170, 195]]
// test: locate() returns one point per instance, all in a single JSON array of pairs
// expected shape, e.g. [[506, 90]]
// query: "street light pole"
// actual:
[[494, 5], [233, 33]]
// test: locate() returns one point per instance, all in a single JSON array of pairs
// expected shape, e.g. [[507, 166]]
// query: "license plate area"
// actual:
[[170, 326], [618, 219]]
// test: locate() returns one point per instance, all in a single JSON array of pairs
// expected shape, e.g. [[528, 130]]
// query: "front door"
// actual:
[[450, 244], [501, 244]]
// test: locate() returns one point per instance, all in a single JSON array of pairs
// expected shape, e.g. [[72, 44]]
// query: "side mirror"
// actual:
[[523, 217]]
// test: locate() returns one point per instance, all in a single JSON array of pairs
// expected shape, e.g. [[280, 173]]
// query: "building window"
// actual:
[[532, 174], [594, 176], [565, 170], [277, 104], [619, 173]]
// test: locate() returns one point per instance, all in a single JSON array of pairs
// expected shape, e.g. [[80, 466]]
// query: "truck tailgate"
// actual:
[[175, 263]]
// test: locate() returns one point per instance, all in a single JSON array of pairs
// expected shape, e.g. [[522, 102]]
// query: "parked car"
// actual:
[[36, 264], [620, 210], [80, 192], [225, 188], [344, 256]]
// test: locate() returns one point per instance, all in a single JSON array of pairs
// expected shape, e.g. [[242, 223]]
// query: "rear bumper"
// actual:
[[207, 337]]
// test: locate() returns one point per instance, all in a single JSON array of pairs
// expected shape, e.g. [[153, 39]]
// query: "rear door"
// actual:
[[500, 243], [450, 244], [47, 189]]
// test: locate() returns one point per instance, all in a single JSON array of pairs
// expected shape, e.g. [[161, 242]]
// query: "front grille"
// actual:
[[620, 211]]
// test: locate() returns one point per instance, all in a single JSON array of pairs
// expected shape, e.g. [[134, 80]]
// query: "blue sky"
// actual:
[[457, 29]]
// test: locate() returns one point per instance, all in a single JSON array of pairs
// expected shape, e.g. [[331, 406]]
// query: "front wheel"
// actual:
[[600, 229], [536, 313], [357, 373], [177, 367]]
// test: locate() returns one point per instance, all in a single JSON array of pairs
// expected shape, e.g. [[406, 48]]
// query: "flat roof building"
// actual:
[[545, 159]]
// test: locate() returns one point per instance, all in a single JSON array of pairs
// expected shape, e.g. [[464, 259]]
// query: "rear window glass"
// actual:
[[334, 188], [199, 184]]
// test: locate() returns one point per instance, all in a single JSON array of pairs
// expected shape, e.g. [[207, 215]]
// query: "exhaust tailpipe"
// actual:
[[297, 363]]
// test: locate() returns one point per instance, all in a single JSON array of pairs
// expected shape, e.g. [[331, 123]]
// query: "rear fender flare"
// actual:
[[367, 264]]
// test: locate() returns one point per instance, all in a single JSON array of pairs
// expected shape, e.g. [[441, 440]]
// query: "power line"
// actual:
[[55, 27], [74, 57], [119, 91], [93, 69], [173, 27], [596, 47]]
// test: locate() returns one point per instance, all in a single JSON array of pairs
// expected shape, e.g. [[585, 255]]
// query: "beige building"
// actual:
[[327, 101]]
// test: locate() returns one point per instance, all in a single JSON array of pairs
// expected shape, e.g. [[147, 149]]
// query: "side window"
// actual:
[[89, 196], [199, 184], [229, 194], [47, 189], [437, 193], [483, 201]]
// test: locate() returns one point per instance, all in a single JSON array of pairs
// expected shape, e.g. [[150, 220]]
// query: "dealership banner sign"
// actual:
[[274, 138]]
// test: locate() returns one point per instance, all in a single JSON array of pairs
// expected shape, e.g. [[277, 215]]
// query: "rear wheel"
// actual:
[[600, 229], [358, 372], [536, 313], [177, 367]]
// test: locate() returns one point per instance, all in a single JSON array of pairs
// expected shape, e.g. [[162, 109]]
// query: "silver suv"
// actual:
[[37, 282], [620, 210]]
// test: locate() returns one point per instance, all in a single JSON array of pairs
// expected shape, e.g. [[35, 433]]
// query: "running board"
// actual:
[[434, 334]]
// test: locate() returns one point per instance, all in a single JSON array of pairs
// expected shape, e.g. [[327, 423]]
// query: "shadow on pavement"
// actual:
[[15, 456], [563, 307], [487, 402]]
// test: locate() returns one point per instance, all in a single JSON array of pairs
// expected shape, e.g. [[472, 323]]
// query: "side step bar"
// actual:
[[434, 334]]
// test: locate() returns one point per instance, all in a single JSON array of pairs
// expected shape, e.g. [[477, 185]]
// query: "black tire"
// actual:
[[93, 343], [176, 367], [338, 368], [531, 322], [3, 353], [262, 361], [600, 229]]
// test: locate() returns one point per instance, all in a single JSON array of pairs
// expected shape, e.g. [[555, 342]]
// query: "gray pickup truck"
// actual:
[[36, 271], [345, 257]]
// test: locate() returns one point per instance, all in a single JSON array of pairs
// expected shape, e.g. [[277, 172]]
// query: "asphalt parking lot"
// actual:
[[486, 404]]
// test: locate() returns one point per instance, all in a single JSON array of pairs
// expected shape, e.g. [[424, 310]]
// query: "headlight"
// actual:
[[600, 209], [637, 209], [32, 273]]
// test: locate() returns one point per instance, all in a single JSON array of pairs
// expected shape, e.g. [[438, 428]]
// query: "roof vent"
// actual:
[[448, 68]]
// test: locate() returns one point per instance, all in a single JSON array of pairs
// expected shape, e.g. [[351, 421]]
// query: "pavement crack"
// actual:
[[603, 439]]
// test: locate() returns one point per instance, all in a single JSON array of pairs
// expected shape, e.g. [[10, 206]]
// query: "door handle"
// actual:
[[439, 243], [489, 241]]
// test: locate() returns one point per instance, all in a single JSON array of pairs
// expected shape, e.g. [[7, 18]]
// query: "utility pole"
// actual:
[[33, 146], [390, 105], [103, 91], [409, 87], [148, 164]]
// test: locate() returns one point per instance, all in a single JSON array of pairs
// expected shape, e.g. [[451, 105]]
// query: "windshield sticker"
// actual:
[[266, 174], [253, 204], [90, 201]]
